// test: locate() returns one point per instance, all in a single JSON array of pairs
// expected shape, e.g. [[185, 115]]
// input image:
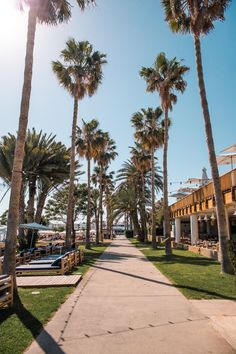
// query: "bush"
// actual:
[[232, 253], [129, 233]]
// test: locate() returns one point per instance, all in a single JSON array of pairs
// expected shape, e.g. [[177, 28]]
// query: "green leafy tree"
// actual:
[[197, 18], [165, 77], [56, 205], [80, 74]]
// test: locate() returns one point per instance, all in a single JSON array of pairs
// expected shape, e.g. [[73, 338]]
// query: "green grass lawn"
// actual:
[[21, 324], [195, 276]]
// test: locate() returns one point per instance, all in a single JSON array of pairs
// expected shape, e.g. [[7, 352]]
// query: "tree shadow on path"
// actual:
[[45, 340], [212, 293]]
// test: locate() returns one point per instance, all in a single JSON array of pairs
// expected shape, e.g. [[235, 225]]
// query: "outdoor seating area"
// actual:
[[45, 261]]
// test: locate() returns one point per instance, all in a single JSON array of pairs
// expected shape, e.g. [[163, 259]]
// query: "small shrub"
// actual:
[[232, 253], [129, 233]]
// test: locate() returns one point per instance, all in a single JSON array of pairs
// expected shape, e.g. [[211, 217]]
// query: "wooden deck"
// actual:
[[46, 281]]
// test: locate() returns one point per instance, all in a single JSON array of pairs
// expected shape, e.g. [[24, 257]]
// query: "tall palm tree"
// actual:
[[80, 74], [149, 133], [165, 77], [142, 161], [105, 154], [87, 144], [197, 18], [50, 12]]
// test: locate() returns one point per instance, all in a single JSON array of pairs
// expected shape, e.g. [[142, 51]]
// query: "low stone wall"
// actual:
[[206, 252]]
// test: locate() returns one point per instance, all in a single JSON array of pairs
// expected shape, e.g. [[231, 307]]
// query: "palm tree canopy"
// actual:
[[106, 150], [81, 70], [87, 139], [166, 77], [52, 12], [194, 16], [148, 127]]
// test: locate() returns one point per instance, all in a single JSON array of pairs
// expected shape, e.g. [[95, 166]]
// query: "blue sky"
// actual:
[[131, 33]]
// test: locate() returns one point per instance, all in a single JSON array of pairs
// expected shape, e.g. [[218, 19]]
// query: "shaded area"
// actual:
[[19, 325]]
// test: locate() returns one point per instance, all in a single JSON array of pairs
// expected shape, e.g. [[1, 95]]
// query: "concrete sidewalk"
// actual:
[[126, 306]]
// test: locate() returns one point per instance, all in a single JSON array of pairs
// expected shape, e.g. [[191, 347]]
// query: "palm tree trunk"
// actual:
[[41, 203], [165, 188], [220, 210], [30, 204], [143, 217], [9, 266], [88, 206], [108, 213], [97, 226], [100, 211], [21, 234], [154, 241], [134, 216], [70, 205]]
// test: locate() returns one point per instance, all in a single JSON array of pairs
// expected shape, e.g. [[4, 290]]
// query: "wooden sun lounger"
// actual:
[[31, 269], [6, 291]]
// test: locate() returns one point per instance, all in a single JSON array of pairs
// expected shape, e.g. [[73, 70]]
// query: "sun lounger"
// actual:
[[73, 259], [59, 266], [6, 291]]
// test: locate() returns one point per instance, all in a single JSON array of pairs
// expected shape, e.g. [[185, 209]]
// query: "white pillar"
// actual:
[[177, 229], [194, 228]]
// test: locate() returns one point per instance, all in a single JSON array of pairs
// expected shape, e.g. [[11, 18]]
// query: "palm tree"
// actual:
[[50, 12], [109, 189], [45, 165], [87, 147], [80, 74], [142, 161], [105, 154], [198, 19], [129, 179], [149, 133], [165, 77]]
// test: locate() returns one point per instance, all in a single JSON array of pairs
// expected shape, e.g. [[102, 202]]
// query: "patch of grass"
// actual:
[[195, 276], [21, 324], [90, 257]]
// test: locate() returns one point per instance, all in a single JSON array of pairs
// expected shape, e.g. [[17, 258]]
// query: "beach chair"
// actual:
[[6, 291], [60, 266]]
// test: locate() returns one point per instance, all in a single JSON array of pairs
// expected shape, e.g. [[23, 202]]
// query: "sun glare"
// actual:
[[12, 22]]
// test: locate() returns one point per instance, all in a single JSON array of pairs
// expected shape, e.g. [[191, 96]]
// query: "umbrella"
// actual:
[[231, 148], [226, 159], [34, 226]]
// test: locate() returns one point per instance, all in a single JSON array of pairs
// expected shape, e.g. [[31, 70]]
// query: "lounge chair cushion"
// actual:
[[36, 267]]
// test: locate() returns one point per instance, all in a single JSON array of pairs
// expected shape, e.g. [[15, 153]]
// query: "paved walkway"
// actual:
[[126, 306]]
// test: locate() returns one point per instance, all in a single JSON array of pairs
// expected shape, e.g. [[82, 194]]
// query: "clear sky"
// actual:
[[131, 33]]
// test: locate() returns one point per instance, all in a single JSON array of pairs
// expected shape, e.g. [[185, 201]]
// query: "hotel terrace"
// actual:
[[194, 216]]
